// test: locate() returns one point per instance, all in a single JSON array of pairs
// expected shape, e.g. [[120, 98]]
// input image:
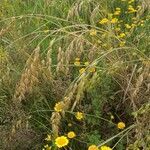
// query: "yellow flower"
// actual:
[[133, 25], [114, 20], [131, 9], [93, 32], [82, 70], [79, 115], [92, 69], [86, 63], [71, 135], [77, 63], [131, 1], [121, 125], [58, 107], [103, 21], [105, 148], [46, 147], [61, 141], [117, 29], [127, 26], [122, 35], [93, 147], [48, 138], [117, 13], [139, 7], [122, 43], [77, 59], [118, 9]]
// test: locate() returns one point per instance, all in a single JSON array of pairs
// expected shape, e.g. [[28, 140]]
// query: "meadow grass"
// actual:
[[74, 74]]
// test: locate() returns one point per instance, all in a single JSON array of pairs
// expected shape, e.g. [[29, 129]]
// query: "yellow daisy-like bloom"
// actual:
[[117, 29], [92, 69], [71, 135], [77, 63], [118, 9], [133, 25], [86, 63], [131, 9], [117, 13], [131, 1], [58, 107], [114, 20], [127, 26], [93, 147], [93, 32], [77, 59], [79, 115], [61, 141], [105, 148], [48, 138], [122, 43], [121, 125], [82, 70], [122, 35], [103, 21]]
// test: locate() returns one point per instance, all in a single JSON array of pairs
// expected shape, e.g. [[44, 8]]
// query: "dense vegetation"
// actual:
[[74, 74]]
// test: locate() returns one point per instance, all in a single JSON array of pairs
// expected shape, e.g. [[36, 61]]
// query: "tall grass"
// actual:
[[60, 57]]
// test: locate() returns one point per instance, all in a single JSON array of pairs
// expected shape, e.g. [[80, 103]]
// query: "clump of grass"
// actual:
[[78, 67]]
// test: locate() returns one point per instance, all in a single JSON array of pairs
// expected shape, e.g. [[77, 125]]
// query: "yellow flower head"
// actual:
[[122, 43], [77, 63], [61, 141], [92, 69], [117, 29], [114, 20], [133, 25], [48, 138], [103, 21], [127, 26], [93, 147], [105, 148], [93, 32], [117, 12], [58, 107], [71, 135], [122, 35], [82, 70], [77, 59], [79, 115], [131, 9], [130, 1], [121, 125], [86, 63], [118, 9], [139, 7]]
